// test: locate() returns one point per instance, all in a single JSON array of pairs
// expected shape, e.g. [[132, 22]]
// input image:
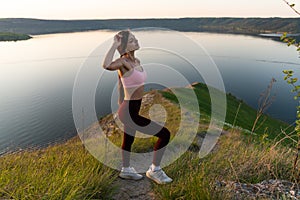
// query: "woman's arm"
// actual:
[[115, 65], [108, 63]]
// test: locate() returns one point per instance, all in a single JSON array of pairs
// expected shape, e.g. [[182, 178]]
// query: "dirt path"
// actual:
[[134, 190]]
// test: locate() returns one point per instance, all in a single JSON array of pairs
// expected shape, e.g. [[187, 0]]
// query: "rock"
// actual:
[[270, 189]]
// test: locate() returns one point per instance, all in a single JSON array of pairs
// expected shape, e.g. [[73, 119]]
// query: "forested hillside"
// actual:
[[251, 26]]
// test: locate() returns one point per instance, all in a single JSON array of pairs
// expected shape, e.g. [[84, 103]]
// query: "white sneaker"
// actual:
[[130, 173], [158, 176]]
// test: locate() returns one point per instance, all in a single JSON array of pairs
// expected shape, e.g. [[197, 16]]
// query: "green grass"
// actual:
[[63, 171], [238, 113], [238, 158]]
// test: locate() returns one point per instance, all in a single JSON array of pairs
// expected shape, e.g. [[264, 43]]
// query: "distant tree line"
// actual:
[[252, 26]]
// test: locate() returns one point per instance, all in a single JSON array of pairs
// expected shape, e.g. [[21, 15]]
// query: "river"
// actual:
[[38, 75]]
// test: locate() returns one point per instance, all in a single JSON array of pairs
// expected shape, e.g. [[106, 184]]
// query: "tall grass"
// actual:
[[64, 171], [238, 158]]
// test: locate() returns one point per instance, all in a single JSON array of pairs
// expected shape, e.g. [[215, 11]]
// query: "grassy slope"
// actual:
[[64, 171], [67, 171], [238, 158], [238, 113]]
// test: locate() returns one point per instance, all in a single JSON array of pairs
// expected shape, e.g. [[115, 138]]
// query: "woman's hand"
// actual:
[[117, 40], [108, 60]]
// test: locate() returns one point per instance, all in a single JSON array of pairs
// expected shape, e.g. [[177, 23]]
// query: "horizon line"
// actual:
[[146, 18]]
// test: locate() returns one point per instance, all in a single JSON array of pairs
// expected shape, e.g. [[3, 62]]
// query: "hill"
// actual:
[[7, 36], [68, 171]]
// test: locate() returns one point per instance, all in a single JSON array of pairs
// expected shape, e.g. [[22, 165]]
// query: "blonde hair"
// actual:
[[124, 40]]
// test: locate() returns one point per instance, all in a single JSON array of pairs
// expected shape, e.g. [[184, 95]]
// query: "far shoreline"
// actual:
[[22, 37], [224, 25]]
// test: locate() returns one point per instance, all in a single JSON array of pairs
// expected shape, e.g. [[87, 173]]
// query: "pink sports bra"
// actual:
[[135, 79]]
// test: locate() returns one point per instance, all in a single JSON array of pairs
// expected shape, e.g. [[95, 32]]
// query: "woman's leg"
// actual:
[[128, 139], [163, 140], [129, 115], [150, 127]]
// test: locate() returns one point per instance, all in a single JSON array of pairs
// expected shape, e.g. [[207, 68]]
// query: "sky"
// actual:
[[112, 9]]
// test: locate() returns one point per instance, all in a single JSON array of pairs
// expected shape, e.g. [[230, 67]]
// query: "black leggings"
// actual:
[[129, 116]]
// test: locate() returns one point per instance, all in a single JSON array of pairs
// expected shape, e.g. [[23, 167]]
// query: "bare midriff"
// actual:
[[134, 93]]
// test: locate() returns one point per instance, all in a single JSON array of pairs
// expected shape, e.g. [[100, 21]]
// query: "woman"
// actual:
[[131, 87]]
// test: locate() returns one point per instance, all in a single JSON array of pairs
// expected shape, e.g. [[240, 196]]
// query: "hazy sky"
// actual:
[[99, 9]]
